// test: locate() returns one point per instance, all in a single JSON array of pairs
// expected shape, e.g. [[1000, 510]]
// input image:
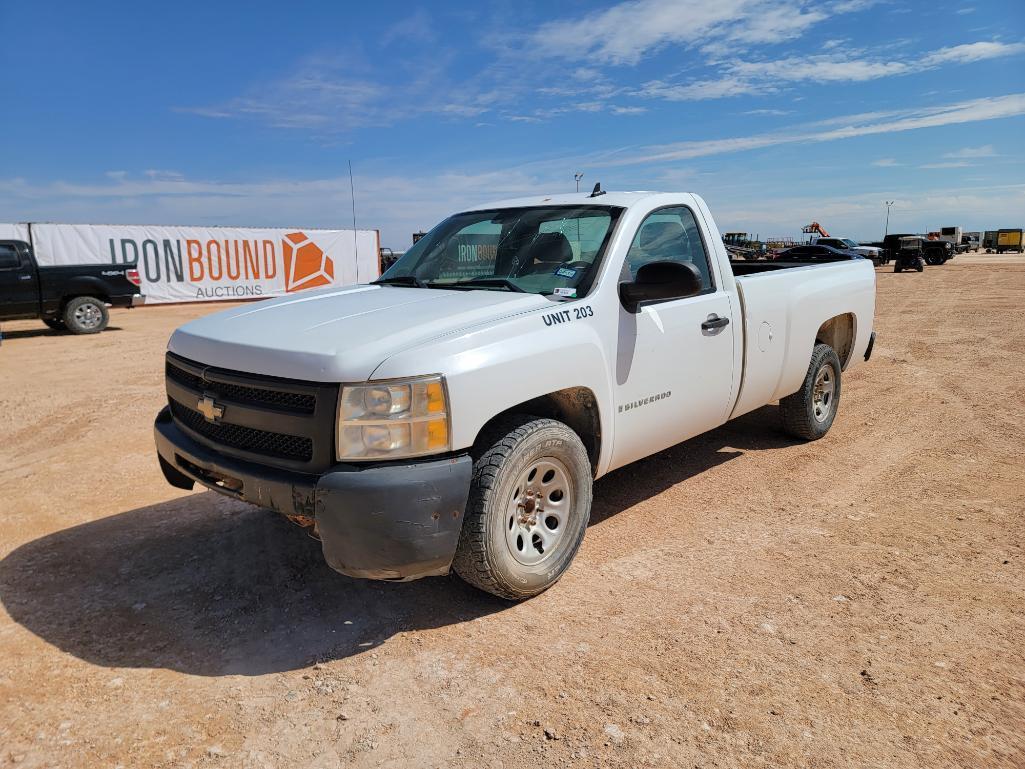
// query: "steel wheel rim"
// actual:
[[88, 315], [537, 514], [822, 393]]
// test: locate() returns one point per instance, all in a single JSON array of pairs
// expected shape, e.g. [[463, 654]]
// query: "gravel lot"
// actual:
[[740, 600]]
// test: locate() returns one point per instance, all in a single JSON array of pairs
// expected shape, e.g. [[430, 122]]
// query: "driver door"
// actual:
[[674, 372]]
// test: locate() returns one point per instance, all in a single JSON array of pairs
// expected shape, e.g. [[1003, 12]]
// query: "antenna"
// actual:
[[596, 191], [355, 238]]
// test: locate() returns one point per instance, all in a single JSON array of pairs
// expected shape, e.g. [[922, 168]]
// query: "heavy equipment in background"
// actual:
[[1010, 240], [814, 229], [740, 245]]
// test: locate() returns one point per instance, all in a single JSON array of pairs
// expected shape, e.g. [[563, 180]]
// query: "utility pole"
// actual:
[[577, 177], [887, 230]]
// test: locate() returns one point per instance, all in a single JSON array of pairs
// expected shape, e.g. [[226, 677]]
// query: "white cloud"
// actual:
[[698, 90], [331, 95], [972, 52], [737, 77], [768, 112], [617, 110], [950, 164], [417, 27], [868, 124], [985, 151], [886, 163], [629, 31]]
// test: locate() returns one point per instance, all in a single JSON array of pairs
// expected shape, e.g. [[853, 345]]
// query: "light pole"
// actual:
[[887, 230], [577, 177]]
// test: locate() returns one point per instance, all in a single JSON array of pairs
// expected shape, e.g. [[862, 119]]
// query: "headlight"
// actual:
[[393, 420]]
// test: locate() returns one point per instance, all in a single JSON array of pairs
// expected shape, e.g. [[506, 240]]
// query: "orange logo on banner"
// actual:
[[306, 266]]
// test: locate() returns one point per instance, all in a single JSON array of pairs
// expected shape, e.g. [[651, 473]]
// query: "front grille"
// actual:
[[300, 403], [284, 423], [264, 442]]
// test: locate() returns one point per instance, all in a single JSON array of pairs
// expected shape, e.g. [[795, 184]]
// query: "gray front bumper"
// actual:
[[395, 521]]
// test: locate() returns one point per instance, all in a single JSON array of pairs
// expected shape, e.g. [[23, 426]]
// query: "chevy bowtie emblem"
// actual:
[[210, 409]]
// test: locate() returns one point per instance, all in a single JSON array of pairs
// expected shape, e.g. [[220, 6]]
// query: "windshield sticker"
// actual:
[[562, 291], [566, 272]]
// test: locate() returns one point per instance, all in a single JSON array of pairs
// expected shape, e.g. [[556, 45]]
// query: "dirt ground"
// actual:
[[739, 600]]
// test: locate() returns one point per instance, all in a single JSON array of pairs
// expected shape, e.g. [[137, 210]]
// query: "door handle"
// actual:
[[715, 322]]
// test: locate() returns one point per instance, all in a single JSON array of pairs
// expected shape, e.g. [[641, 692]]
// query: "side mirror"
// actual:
[[657, 281]]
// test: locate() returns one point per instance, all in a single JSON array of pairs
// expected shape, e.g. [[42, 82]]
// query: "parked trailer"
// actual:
[[1010, 240]]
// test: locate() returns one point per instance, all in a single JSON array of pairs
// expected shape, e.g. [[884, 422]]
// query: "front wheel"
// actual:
[[809, 412], [920, 264], [86, 315], [529, 504], [57, 324]]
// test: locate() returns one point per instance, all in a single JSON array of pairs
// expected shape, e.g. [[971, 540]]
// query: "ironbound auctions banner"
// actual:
[[199, 264]]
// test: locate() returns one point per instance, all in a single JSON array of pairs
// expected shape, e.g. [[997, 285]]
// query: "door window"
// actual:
[[670, 235], [8, 257]]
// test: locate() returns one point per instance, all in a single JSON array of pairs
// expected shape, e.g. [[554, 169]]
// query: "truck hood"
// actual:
[[338, 334]]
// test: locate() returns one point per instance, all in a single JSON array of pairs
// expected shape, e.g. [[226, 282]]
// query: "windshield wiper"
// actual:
[[401, 280], [505, 283]]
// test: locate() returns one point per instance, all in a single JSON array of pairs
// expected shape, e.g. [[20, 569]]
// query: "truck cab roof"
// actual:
[[620, 199]]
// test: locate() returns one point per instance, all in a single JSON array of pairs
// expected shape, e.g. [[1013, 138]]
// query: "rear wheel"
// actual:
[[896, 266], [809, 412], [86, 315], [920, 264], [529, 504]]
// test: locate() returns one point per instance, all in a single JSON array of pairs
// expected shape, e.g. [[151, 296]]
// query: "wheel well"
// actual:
[[576, 407], [94, 294], [838, 333]]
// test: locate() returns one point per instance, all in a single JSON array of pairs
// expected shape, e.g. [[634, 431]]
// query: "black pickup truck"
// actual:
[[935, 251], [72, 297]]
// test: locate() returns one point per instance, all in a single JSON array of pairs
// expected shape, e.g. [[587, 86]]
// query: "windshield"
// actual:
[[542, 250], [850, 243]]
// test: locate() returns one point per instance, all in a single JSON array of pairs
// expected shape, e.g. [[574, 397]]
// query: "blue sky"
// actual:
[[776, 111]]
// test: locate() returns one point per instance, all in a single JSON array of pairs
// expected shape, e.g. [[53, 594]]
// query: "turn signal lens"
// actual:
[[393, 420]]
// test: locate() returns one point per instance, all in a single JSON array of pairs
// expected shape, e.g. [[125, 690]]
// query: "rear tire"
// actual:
[[809, 412], [896, 267], [529, 504], [920, 264], [86, 315]]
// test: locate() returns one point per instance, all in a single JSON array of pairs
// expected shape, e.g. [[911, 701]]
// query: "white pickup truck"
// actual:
[[455, 413]]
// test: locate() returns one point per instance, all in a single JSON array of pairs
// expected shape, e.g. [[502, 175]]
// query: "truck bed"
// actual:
[[741, 268], [784, 306]]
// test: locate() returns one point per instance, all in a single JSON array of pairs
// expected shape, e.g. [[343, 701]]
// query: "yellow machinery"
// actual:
[[1009, 240]]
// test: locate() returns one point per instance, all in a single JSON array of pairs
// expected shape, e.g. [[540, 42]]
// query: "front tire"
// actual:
[[529, 504], [920, 264], [809, 412], [86, 315], [57, 324]]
